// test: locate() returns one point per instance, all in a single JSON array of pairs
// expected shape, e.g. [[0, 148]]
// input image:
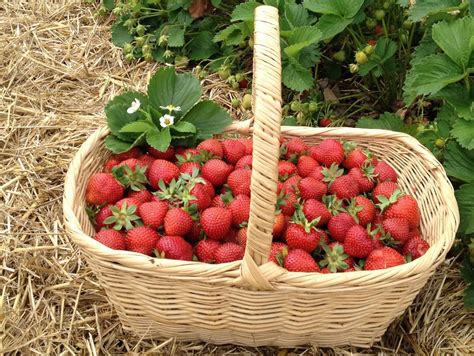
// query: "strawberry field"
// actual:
[[165, 77]]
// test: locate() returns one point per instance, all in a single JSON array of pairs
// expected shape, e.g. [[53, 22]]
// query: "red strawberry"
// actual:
[[378, 219], [339, 225], [300, 261], [358, 243], [325, 122], [128, 201], [397, 228], [231, 236], [102, 214], [213, 146], [189, 167], [131, 163], [415, 247], [295, 147], [344, 187], [233, 150], [405, 207], [382, 258], [103, 188], [364, 179], [219, 201], [241, 237], [216, 172], [134, 152], [325, 270], [317, 173], [111, 163], [203, 200], [376, 235], [153, 213], [240, 208], [141, 239], [244, 162], [216, 222], [297, 237], [279, 225], [167, 155], [239, 182], [229, 252], [177, 222], [206, 249], [286, 169], [196, 233], [162, 170], [209, 188], [354, 159], [364, 209], [412, 233], [313, 209], [311, 188], [291, 184], [174, 247], [276, 250], [248, 143], [385, 189], [143, 196], [385, 172], [306, 164], [112, 239], [288, 202], [146, 161], [328, 152]]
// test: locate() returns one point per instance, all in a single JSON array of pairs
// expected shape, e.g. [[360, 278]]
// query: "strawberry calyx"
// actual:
[[300, 219], [334, 205], [385, 237], [335, 258], [134, 179], [387, 202], [368, 170], [188, 157], [280, 257], [92, 211], [330, 174], [123, 217], [354, 209], [349, 146]]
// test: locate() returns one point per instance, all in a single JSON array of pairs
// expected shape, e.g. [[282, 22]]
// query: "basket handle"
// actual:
[[266, 145]]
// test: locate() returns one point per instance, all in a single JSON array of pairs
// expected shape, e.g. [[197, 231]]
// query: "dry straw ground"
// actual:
[[57, 70]]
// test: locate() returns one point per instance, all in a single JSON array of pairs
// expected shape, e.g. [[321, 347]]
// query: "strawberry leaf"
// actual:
[[159, 139]]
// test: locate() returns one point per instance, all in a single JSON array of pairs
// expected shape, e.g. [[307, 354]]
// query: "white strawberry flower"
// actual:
[[166, 120], [171, 108], [134, 106]]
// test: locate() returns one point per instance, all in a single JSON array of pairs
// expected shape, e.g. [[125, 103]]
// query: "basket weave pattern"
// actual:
[[254, 302]]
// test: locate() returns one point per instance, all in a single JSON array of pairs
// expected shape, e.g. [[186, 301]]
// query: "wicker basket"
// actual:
[[254, 302]]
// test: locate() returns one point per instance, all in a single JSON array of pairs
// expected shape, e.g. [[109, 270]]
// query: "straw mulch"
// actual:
[[57, 70]]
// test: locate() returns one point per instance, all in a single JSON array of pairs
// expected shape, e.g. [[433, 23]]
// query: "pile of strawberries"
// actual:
[[339, 208]]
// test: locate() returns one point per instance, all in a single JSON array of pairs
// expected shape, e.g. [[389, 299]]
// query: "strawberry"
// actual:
[[297, 237], [142, 196], [174, 247], [111, 163], [248, 143], [382, 258], [311, 188], [239, 182], [216, 222], [196, 233], [112, 239], [325, 270], [358, 243], [177, 222], [405, 207], [209, 188], [153, 213], [220, 201], [306, 164], [134, 152], [205, 250], [287, 203], [131, 163], [415, 247], [241, 237], [291, 184], [216, 172], [100, 217], [167, 155], [364, 178], [233, 150], [229, 252], [162, 170], [286, 169], [240, 208], [123, 215], [385, 172], [146, 161], [279, 225], [354, 159], [339, 225], [103, 188], [295, 147], [344, 187], [397, 228], [378, 219], [325, 122], [244, 162], [317, 173], [362, 208], [201, 195], [213, 146], [189, 167], [328, 152], [414, 232], [128, 201], [314, 209], [300, 261], [276, 252], [231, 236], [335, 259], [141, 239]]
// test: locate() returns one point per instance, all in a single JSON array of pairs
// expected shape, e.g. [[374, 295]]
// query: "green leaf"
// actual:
[[424, 8], [454, 39], [467, 270], [296, 15], [469, 297], [386, 121], [184, 126], [300, 38], [166, 87], [403, 3], [465, 199], [289, 121], [159, 139], [108, 4], [458, 96], [208, 118], [120, 35], [295, 76], [459, 162], [175, 36], [331, 25], [343, 8], [426, 47], [310, 55], [137, 126], [244, 12], [463, 132], [202, 46], [231, 35], [384, 50], [116, 145]]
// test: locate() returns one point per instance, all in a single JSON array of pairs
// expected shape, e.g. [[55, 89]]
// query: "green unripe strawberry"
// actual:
[[440, 143], [235, 85], [305, 108], [128, 48], [140, 30], [403, 38], [148, 57], [386, 5], [239, 77], [117, 11], [295, 105], [407, 24], [368, 50], [146, 49], [300, 118], [181, 61], [313, 106], [139, 41], [251, 43], [379, 15], [242, 44], [339, 56], [224, 73], [370, 23], [353, 68], [361, 57], [203, 74], [102, 11], [247, 102], [235, 103], [129, 57]]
